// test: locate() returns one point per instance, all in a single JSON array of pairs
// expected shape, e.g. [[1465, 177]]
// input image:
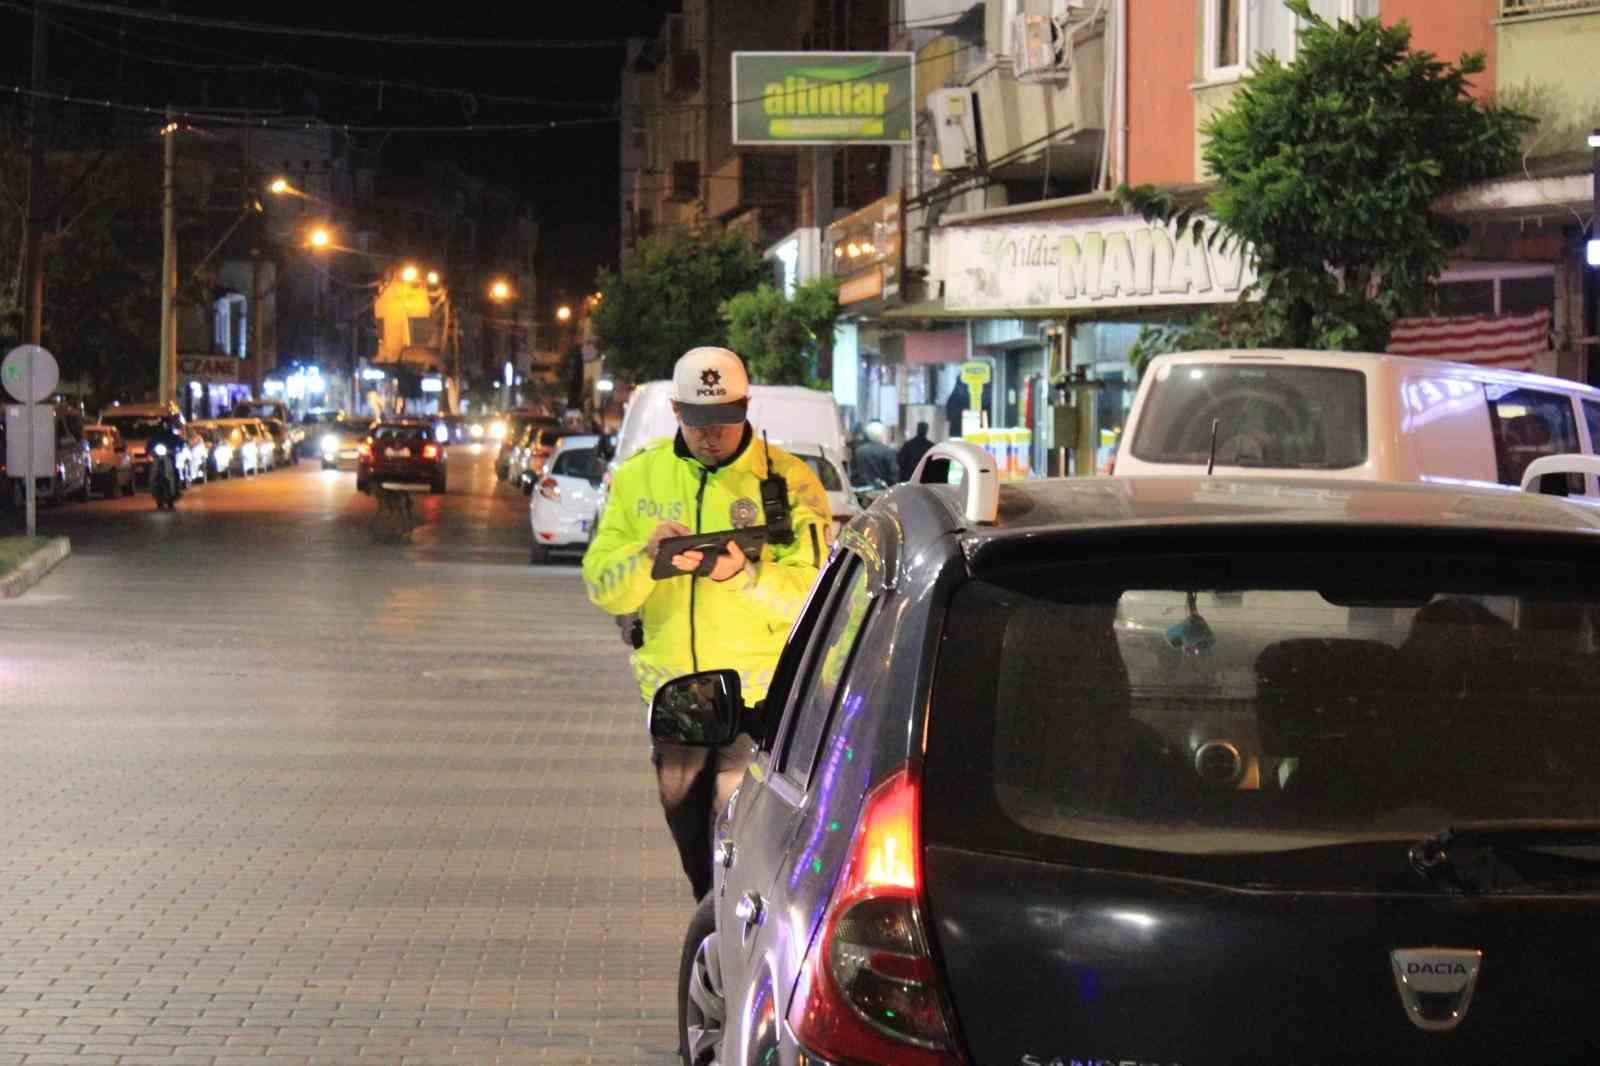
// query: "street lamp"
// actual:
[[563, 313], [280, 187], [433, 277], [500, 291], [408, 273], [320, 237]]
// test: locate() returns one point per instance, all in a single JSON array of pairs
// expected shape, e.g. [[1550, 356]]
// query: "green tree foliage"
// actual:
[[780, 338], [102, 250], [1327, 168], [666, 299]]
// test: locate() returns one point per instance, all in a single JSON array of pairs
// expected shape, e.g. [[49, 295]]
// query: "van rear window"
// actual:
[[1280, 417]]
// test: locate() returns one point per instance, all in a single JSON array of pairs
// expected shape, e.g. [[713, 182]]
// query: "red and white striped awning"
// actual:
[[1509, 342]]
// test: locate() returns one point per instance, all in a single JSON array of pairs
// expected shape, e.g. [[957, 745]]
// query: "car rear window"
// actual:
[[578, 462], [1238, 703], [1273, 416], [405, 434]]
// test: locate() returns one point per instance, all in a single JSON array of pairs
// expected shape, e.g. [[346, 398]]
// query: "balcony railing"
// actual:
[[1514, 8]]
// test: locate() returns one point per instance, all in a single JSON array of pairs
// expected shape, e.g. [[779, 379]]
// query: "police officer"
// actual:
[[706, 478]]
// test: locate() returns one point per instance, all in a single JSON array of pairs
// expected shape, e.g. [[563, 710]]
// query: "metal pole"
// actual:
[[34, 324], [31, 489], [169, 263]]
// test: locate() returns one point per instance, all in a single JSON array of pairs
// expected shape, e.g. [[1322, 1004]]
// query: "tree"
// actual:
[[780, 338], [1327, 168], [666, 298]]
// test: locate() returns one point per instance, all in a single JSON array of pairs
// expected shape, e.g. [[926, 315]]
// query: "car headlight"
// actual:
[[476, 432], [497, 430], [330, 443], [161, 449]]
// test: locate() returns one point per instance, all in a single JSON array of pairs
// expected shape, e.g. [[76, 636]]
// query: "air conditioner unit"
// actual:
[[1039, 51], [955, 127]]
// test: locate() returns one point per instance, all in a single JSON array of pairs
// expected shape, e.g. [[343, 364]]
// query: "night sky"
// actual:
[[569, 175]]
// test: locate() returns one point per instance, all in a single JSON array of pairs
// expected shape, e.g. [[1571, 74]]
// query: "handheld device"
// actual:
[[775, 501], [713, 545]]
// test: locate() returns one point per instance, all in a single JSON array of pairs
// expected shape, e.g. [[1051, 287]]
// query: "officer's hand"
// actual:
[[662, 532], [731, 562]]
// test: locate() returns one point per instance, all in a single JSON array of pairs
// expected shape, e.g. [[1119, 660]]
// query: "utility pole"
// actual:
[[37, 135], [169, 264], [257, 312]]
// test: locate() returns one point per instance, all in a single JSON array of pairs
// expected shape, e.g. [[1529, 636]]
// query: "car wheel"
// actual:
[[702, 1004], [361, 485]]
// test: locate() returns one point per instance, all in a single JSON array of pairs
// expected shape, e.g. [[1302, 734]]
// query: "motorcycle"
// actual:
[[164, 479]]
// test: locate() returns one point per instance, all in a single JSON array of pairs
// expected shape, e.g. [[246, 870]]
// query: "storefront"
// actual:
[[1054, 308], [863, 251], [209, 385]]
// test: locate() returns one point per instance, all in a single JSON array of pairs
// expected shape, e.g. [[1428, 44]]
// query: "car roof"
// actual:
[[1372, 361], [577, 440], [1028, 508]]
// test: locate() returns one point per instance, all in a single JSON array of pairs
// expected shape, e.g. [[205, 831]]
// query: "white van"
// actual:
[[783, 412], [1354, 415]]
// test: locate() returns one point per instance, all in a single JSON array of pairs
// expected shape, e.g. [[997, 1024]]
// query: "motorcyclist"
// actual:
[[164, 446], [709, 477]]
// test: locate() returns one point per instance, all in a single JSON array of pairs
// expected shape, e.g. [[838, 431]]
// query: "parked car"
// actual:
[[233, 451], [137, 422], [340, 443], [516, 425], [111, 468], [1042, 758], [403, 452], [566, 498], [533, 452], [835, 482], [73, 469], [215, 451], [266, 447], [286, 445], [1353, 415]]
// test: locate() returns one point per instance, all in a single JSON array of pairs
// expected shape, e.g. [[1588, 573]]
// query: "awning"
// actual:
[[935, 311]]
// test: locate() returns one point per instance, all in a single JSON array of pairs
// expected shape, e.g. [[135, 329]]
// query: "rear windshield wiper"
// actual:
[[1477, 856]]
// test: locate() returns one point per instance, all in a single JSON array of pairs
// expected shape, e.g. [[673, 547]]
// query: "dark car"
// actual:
[[404, 452], [1164, 770], [517, 425]]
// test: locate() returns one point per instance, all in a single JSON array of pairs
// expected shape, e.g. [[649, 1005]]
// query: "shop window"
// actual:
[[1522, 295]]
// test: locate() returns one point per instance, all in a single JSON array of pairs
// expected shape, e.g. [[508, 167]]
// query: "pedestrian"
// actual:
[[876, 464], [912, 451], [707, 478]]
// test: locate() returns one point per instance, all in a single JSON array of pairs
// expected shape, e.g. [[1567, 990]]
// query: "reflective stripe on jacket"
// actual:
[[694, 623]]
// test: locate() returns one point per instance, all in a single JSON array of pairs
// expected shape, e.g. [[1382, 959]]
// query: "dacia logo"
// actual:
[[1449, 969]]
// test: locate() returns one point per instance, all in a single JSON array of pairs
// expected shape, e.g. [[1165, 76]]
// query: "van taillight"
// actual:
[[550, 489], [366, 448], [430, 451], [869, 990]]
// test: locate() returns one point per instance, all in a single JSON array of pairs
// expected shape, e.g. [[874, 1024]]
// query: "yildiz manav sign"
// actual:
[[1110, 262], [823, 97]]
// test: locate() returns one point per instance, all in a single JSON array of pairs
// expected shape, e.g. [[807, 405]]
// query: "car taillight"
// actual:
[[869, 990], [430, 451], [550, 489], [365, 450]]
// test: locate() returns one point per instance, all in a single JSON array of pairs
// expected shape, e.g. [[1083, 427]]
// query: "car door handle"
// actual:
[[724, 853], [751, 911]]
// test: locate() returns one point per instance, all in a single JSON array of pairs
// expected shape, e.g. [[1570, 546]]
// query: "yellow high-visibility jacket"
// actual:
[[694, 623]]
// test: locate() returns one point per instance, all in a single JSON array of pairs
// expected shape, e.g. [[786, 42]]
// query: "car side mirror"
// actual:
[[698, 710]]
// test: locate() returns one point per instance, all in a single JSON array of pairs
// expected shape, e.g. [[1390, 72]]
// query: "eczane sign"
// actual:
[[1100, 264]]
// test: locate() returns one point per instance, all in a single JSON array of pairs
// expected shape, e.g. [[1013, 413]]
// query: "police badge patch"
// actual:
[[742, 513]]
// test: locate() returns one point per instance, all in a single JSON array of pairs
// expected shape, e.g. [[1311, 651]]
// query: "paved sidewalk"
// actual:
[[271, 795]]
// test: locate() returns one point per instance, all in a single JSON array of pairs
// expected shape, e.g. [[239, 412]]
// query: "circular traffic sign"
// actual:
[[26, 388]]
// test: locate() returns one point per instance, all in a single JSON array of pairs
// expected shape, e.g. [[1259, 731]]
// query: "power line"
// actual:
[[236, 119], [252, 64], [241, 26]]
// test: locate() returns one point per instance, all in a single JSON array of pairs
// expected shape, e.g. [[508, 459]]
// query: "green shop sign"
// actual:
[[822, 97]]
